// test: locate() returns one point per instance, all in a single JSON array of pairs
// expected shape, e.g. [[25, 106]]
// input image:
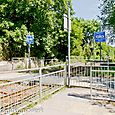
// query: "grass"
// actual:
[[4, 81]]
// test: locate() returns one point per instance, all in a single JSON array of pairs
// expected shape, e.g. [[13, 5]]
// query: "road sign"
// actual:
[[67, 23], [99, 37], [30, 39]]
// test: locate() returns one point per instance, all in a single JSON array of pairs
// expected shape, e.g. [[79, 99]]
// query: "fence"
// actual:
[[22, 62], [18, 94], [80, 75], [99, 79], [102, 82], [42, 81]]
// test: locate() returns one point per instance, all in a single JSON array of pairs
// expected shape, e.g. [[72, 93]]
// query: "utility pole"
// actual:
[[68, 44], [67, 27]]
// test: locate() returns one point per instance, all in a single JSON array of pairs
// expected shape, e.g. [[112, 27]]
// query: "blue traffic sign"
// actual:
[[30, 39], [99, 37]]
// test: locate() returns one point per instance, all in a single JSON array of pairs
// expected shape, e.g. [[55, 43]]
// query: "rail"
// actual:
[[19, 94]]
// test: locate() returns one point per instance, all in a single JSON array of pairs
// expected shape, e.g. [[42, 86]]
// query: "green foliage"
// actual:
[[60, 46], [82, 41], [107, 8], [43, 18]]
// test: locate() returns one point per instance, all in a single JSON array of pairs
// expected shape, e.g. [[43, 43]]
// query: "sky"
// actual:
[[87, 9]]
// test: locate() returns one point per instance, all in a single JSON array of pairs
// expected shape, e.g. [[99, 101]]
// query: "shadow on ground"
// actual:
[[83, 96]]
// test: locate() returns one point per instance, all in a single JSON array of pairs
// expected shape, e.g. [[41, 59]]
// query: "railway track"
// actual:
[[16, 99], [20, 93]]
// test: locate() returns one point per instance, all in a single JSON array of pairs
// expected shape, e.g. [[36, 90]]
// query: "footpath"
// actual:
[[66, 103]]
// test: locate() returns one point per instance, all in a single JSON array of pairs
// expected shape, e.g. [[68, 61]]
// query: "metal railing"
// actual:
[[23, 62], [18, 94], [80, 76], [99, 79], [102, 83]]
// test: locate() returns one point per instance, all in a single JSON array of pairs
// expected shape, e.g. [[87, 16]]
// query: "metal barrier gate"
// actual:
[[18, 94], [99, 79], [102, 82], [80, 75]]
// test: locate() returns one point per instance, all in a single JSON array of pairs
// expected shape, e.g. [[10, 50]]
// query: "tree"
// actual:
[[43, 18], [107, 8], [60, 46], [82, 37]]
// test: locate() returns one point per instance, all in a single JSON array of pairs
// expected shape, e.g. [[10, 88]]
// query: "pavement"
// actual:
[[68, 102]]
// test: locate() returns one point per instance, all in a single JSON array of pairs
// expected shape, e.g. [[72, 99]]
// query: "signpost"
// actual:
[[67, 27], [100, 37], [29, 40]]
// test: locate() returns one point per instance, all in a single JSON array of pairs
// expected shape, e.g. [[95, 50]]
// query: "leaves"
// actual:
[[44, 20], [82, 37]]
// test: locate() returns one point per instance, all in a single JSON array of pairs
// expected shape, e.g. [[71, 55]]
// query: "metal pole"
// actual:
[[91, 82], [100, 46], [68, 45], [65, 74], [29, 61], [40, 83], [100, 51]]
